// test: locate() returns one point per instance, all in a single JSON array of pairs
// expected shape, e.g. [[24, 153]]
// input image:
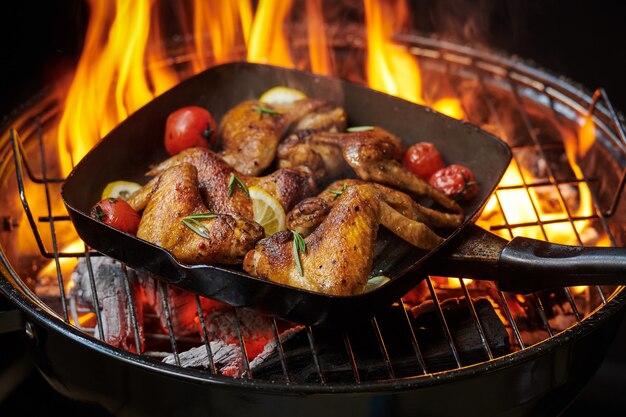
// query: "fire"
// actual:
[[120, 70], [586, 135], [450, 107], [268, 44], [227, 22], [390, 68], [318, 44], [110, 81], [66, 265]]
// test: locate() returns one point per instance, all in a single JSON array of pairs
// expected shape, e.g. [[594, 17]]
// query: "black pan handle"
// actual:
[[528, 265], [525, 265]]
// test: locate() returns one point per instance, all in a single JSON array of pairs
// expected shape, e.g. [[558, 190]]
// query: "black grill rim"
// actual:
[[13, 288], [35, 312]]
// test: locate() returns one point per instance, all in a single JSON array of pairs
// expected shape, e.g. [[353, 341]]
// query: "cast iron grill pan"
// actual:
[[131, 148]]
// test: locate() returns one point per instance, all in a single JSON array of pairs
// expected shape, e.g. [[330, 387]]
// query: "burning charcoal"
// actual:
[[270, 347], [256, 329], [529, 312], [371, 365], [113, 300], [227, 358], [183, 308], [464, 333]]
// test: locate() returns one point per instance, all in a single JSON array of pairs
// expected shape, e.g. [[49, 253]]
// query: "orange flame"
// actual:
[[318, 45], [66, 265], [450, 107], [228, 25], [268, 44], [390, 68], [111, 81], [587, 136]]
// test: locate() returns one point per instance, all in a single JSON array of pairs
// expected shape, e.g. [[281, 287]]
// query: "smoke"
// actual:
[[477, 22]]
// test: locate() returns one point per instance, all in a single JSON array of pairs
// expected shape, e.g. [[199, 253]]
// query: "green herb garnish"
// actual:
[[98, 213], [265, 110], [337, 193], [206, 133], [360, 128], [299, 246], [234, 181], [192, 222]]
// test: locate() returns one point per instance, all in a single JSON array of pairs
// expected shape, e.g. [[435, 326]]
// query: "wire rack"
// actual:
[[522, 83]]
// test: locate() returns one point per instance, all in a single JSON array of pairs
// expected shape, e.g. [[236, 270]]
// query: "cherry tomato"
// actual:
[[455, 181], [423, 159], [116, 213], [188, 127]]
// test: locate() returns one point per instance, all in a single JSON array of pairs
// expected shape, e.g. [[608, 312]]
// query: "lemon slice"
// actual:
[[120, 189], [375, 282], [281, 95], [267, 211]]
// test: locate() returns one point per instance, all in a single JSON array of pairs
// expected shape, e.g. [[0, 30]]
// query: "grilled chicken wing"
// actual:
[[174, 194], [310, 212], [372, 154], [288, 186], [251, 131], [339, 253]]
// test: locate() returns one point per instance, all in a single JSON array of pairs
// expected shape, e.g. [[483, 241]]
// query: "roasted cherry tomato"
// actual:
[[116, 213], [189, 127], [455, 181], [423, 159]]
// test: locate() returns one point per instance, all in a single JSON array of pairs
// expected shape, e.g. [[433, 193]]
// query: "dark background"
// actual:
[[41, 41]]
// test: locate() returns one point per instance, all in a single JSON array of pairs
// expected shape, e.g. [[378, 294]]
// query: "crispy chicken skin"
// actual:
[[339, 253], [373, 154], [288, 186], [173, 195], [250, 132], [310, 212]]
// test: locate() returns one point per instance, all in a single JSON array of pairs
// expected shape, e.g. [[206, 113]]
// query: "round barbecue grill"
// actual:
[[438, 358]]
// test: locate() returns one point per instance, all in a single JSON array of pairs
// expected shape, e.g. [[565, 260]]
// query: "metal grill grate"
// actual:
[[459, 63]]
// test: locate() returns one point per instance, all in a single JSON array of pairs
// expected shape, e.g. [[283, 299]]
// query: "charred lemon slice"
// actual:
[[281, 95], [120, 189], [375, 282], [267, 211]]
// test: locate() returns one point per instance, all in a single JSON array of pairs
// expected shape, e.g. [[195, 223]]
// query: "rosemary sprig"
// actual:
[[201, 216], [265, 110], [234, 181], [192, 222], [98, 213], [360, 128], [299, 246], [337, 193]]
